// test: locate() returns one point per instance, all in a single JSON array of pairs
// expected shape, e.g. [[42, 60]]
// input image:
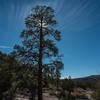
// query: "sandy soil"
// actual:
[[46, 96]]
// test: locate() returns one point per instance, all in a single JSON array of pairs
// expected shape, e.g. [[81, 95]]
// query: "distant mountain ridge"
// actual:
[[92, 78]]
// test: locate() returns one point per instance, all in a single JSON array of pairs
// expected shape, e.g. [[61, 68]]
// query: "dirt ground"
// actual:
[[46, 96]]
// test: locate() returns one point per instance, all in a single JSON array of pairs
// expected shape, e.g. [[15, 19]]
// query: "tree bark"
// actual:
[[40, 66]]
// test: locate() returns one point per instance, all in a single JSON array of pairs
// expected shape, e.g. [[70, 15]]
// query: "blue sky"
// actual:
[[79, 23]]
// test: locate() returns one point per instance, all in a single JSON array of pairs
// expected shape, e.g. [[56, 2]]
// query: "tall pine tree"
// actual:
[[39, 40]]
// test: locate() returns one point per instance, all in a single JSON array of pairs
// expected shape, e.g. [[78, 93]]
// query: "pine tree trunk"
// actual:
[[40, 66]]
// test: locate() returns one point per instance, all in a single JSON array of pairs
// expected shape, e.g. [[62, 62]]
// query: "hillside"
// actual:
[[92, 78]]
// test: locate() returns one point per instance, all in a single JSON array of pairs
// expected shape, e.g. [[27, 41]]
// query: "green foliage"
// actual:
[[52, 73], [67, 86], [96, 94], [15, 77], [85, 85], [5, 75]]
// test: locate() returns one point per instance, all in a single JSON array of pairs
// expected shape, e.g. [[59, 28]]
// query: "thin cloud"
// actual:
[[5, 47]]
